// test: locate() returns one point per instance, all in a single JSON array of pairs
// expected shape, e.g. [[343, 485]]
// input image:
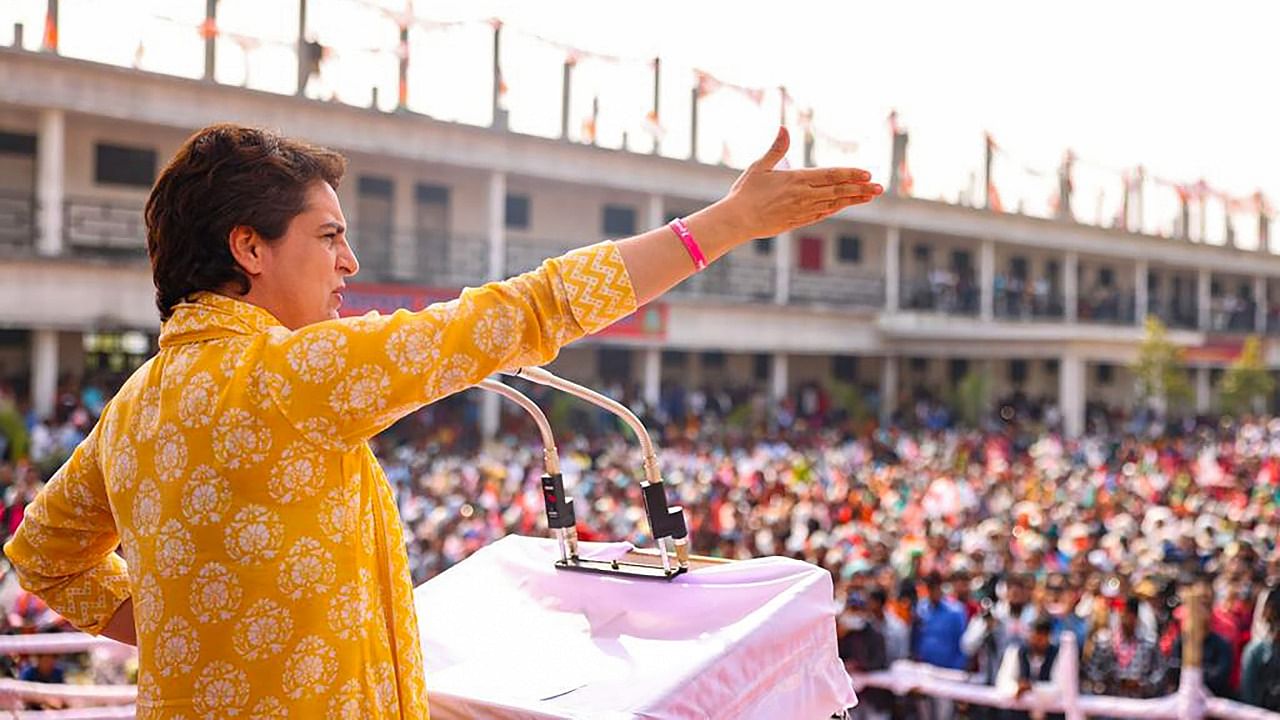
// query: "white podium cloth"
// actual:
[[506, 635]]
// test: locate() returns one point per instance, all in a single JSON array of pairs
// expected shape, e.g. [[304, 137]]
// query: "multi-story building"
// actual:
[[900, 294]]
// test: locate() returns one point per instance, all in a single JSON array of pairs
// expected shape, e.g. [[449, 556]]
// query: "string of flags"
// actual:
[[707, 84]]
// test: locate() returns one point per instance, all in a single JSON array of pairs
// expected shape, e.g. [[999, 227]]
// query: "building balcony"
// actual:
[[843, 291], [429, 259], [733, 280], [17, 221]]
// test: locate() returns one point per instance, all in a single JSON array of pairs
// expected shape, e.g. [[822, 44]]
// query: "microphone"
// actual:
[[558, 505], [670, 531]]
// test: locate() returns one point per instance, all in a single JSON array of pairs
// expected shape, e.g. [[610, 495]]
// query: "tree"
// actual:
[[970, 398], [1246, 384], [1161, 380]]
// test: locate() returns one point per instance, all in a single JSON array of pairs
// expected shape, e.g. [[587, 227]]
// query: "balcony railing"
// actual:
[[838, 290], [1033, 305], [525, 254], [1233, 315], [17, 220], [421, 258], [732, 279], [942, 294], [1106, 306], [93, 226], [1180, 314]]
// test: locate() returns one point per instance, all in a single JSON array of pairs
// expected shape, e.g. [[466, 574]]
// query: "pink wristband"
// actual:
[[682, 231]]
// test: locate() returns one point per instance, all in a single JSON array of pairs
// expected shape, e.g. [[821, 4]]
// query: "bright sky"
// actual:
[[1184, 88]]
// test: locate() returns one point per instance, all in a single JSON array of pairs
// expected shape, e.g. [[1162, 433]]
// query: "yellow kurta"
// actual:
[[260, 539]]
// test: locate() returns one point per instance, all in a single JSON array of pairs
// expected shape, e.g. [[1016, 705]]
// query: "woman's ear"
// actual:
[[247, 247]]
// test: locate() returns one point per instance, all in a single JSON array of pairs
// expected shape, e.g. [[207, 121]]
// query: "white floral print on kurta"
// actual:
[[259, 535]]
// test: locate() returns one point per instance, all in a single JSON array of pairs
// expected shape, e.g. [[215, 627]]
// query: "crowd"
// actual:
[[971, 549]]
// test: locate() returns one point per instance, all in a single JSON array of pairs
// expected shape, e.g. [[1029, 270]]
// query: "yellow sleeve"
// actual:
[[64, 549], [350, 378]]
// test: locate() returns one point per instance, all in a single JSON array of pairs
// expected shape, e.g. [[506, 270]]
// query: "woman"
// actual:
[[263, 565]]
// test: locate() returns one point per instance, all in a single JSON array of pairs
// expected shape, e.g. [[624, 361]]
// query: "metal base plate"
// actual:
[[628, 566]]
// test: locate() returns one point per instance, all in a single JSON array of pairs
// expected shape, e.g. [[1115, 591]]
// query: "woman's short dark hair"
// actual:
[[222, 177]]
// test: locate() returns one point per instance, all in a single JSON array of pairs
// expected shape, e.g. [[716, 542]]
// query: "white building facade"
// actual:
[[897, 295]]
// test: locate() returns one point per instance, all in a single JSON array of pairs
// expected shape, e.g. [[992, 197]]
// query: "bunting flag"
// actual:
[[993, 198], [208, 29], [906, 183], [589, 131], [50, 32], [708, 83], [653, 126]]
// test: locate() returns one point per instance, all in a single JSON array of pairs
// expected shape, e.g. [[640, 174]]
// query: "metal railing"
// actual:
[[420, 258], [17, 220], [1010, 305], [948, 297], [92, 226], [1178, 314], [838, 290], [731, 279], [526, 254], [1113, 307]]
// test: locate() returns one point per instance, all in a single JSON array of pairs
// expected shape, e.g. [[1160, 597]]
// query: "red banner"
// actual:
[[647, 323], [1214, 351]]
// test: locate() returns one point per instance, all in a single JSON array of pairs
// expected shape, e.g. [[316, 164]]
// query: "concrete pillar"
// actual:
[[987, 279], [497, 225], [892, 269], [778, 386], [889, 389], [1260, 305], [51, 151], [1204, 391], [490, 415], [1071, 286], [1204, 299], [44, 371], [652, 376], [782, 268], [404, 250], [1141, 293], [655, 212], [1071, 394]]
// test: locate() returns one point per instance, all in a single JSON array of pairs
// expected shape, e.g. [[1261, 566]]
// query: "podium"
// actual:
[[506, 635]]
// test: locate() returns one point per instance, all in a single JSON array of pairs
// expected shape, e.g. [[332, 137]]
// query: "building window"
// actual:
[[370, 186], [1018, 268], [844, 367], [713, 360], [763, 246], [1106, 276], [957, 369], [961, 261], [677, 359], [118, 165], [426, 194], [850, 249], [1018, 371], [761, 364], [619, 220], [921, 252], [918, 364], [613, 364], [517, 212], [1104, 374], [17, 144], [1051, 367]]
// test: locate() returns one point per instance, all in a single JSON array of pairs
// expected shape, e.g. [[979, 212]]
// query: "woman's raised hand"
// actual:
[[766, 201]]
